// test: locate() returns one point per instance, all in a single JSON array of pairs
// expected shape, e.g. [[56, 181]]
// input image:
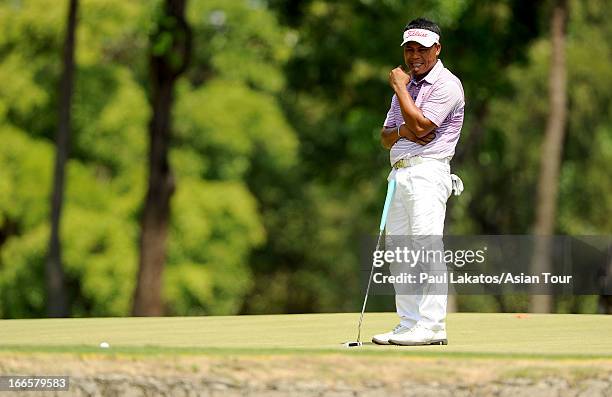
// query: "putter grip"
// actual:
[[390, 191]]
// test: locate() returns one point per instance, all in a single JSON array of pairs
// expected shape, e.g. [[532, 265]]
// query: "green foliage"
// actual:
[[213, 230], [229, 127], [25, 178], [21, 281], [100, 261], [208, 118], [511, 152], [110, 116], [215, 224], [238, 41]]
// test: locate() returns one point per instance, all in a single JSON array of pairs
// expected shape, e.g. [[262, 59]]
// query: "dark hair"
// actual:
[[422, 23]]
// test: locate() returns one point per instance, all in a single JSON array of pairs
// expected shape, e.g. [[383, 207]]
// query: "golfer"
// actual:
[[421, 130]]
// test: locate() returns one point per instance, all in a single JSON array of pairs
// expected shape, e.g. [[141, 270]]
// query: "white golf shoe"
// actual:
[[419, 336], [383, 339]]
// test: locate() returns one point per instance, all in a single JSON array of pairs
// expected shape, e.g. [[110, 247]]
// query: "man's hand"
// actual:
[[388, 136], [398, 79], [420, 125], [425, 140]]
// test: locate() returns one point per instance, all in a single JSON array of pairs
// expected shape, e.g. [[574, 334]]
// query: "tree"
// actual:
[[57, 303], [216, 219], [551, 152], [169, 57]]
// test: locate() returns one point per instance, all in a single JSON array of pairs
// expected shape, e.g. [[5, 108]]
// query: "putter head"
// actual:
[[352, 344]]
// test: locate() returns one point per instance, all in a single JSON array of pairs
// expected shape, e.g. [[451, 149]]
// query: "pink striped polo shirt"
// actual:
[[440, 97]]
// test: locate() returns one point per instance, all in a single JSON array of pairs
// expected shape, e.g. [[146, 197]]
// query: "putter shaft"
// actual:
[[381, 228]]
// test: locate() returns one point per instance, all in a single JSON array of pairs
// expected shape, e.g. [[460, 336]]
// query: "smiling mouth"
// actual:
[[417, 65]]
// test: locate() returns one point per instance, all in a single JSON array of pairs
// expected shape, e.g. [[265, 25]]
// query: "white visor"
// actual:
[[424, 37]]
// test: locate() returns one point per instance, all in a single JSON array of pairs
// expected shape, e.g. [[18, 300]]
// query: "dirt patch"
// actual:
[[302, 375]]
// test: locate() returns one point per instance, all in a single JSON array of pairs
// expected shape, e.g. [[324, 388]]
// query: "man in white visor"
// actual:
[[421, 131]]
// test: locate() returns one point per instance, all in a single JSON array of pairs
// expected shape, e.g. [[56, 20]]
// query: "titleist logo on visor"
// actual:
[[415, 32], [422, 36]]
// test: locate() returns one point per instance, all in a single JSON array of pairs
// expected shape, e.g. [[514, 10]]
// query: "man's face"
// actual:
[[420, 59]]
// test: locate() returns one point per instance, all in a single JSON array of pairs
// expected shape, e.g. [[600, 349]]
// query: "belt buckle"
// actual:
[[402, 163]]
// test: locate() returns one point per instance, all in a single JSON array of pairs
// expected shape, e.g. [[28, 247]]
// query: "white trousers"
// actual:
[[418, 209]]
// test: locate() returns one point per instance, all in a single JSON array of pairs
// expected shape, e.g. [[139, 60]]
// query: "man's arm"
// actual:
[[413, 116], [388, 136]]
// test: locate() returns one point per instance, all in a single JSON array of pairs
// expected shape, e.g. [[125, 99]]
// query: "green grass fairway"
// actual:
[[470, 334]]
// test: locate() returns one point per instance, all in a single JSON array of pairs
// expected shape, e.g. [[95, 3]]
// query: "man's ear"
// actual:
[[438, 49]]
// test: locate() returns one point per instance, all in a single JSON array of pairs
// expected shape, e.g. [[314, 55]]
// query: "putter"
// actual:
[[381, 229]]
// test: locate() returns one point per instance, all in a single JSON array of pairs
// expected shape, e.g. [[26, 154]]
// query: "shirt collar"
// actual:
[[432, 76]]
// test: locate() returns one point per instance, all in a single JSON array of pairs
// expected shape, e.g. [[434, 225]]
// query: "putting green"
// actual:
[[486, 334]]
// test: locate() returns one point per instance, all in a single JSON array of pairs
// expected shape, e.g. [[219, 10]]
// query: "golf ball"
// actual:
[[104, 345]]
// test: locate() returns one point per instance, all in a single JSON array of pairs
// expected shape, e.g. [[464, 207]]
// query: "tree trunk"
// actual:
[[605, 299], [605, 304], [167, 61], [57, 302], [551, 155]]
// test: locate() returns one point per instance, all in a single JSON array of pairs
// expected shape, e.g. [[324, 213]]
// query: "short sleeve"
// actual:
[[442, 101], [391, 120]]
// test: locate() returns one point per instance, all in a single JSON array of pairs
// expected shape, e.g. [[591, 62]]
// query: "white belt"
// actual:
[[414, 160]]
